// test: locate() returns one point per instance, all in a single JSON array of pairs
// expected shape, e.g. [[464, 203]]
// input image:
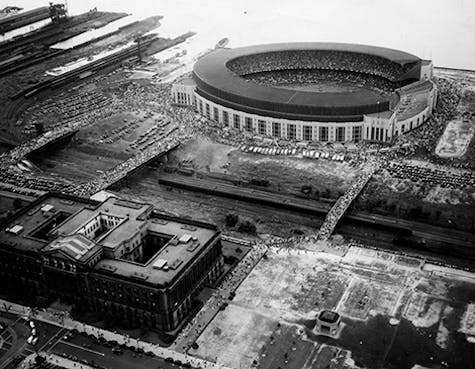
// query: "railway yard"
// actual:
[[396, 260]]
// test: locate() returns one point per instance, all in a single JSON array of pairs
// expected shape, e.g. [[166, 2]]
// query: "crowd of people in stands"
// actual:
[[318, 59], [315, 76]]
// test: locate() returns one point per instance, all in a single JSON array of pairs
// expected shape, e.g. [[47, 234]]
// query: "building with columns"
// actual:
[[117, 256], [398, 93]]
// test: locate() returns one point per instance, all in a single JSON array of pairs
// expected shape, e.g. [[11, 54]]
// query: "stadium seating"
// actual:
[[318, 59], [311, 76]]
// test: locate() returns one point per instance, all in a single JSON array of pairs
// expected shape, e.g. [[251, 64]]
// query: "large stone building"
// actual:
[[114, 256], [326, 92]]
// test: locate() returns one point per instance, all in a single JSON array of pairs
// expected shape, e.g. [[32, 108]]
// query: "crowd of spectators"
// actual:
[[341, 205], [318, 59], [314, 76], [423, 140], [218, 299]]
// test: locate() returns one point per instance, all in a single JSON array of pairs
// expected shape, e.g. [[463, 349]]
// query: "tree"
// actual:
[[17, 203], [231, 220], [247, 227]]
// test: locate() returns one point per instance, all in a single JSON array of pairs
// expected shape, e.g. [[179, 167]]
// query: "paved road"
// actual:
[[51, 339], [84, 348]]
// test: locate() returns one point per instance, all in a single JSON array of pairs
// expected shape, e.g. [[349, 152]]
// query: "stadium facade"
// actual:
[[114, 257], [258, 89]]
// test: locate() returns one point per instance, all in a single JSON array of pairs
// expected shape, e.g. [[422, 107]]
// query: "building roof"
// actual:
[[329, 316], [31, 218], [75, 246], [176, 255], [128, 211], [187, 239], [216, 82]]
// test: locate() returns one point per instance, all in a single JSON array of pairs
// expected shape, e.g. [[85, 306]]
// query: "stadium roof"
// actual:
[[216, 82]]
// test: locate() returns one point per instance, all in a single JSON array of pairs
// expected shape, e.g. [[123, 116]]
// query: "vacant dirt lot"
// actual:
[[389, 305]]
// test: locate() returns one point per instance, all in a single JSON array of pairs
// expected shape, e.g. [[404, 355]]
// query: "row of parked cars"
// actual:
[[311, 154], [33, 338]]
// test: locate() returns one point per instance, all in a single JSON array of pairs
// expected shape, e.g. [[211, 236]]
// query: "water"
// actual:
[[443, 31], [84, 61], [95, 33], [22, 30]]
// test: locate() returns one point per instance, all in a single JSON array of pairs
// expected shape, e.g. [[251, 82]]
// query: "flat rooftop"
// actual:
[[31, 217], [186, 238], [177, 255]]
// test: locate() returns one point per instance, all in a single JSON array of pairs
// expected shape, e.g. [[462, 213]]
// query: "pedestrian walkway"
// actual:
[[342, 204], [231, 282]]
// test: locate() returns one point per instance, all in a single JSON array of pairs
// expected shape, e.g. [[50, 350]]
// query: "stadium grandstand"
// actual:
[[312, 91]]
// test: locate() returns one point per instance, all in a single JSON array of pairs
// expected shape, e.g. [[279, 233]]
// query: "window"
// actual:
[[376, 137], [372, 133], [248, 124], [340, 134], [291, 131], [262, 127], [208, 112], [307, 133], [323, 133], [200, 106], [356, 134], [403, 128], [410, 125], [276, 129], [237, 121], [225, 118], [215, 114]]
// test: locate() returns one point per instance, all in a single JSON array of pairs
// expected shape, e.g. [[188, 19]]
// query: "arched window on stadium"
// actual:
[[248, 126], [225, 118], [208, 114], [291, 131], [200, 106], [237, 121], [410, 125], [323, 133], [307, 133], [276, 129], [215, 114], [417, 121], [340, 134], [262, 127], [357, 134]]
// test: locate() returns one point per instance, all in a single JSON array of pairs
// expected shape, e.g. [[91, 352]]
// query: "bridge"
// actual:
[[127, 168], [342, 204], [38, 144]]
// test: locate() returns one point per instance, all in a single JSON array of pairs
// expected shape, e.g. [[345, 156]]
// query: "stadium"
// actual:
[[327, 92]]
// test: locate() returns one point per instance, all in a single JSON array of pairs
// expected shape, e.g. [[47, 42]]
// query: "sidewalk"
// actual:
[[68, 323]]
